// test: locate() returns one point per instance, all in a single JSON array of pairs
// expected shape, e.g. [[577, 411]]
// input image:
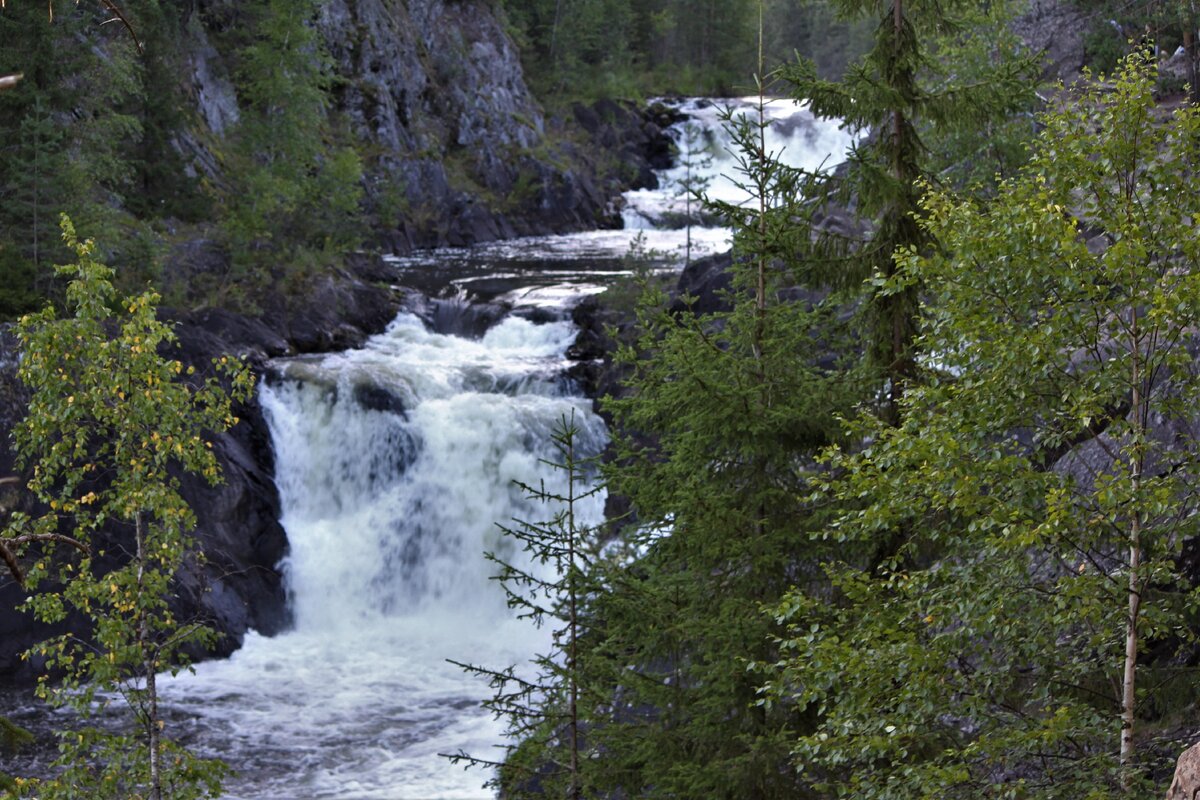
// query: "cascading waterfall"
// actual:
[[394, 464], [795, 137], [532, 270]]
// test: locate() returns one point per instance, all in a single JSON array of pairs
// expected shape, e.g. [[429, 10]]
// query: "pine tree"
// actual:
[[695, 156], [70, 130]]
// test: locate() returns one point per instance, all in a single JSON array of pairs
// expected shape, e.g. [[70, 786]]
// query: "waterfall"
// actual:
[[795, 137], [537, 269], [394, 465]]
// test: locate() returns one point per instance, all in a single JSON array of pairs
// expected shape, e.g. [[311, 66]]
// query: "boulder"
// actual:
[[1186, 785]]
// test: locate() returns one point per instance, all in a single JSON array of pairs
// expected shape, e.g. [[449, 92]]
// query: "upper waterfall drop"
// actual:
[[794, 136]]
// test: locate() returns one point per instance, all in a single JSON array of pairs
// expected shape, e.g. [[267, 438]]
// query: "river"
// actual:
[[395, 462]]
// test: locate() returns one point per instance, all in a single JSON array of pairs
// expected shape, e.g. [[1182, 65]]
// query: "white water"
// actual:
[[394, 464], [388, 514], [794, 137], [566, 267]]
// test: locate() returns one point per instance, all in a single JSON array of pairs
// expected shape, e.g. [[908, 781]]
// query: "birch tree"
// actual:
[[110, 425]]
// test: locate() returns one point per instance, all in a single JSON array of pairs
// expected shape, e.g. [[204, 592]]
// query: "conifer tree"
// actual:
[[887, 97], [728, 411], [291, 189], [695, 156], [1045, 478], [547, 712]]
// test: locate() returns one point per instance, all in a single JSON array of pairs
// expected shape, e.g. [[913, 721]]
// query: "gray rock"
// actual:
[[460, 150], [1186, 785], [1055, 30]]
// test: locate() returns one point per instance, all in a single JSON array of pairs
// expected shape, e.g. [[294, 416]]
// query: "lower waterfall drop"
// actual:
[[394, 465]]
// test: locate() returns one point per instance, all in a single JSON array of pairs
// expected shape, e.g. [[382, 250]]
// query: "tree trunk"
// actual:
[[1129, 683], [1189, 48], [572, 652], [150, 665]]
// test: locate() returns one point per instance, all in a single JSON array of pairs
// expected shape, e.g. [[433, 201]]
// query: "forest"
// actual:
[[906, 509]]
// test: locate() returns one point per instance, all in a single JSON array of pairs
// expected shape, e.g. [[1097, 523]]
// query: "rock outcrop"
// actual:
[[457, 150], [1054, 31], [1186, 785], [238, 587]]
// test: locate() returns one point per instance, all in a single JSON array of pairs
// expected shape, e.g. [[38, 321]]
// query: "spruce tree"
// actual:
[[724, 415], [547, 712], [887, 97], [291, 190]]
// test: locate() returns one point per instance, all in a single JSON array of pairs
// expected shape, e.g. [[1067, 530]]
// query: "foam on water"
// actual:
[[389, 506], [795, 137], [394, 463]]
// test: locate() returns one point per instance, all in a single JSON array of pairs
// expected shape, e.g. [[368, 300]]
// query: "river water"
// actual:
[[395, 462]]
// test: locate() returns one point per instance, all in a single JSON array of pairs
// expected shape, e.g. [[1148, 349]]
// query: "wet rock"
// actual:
[[377, 398], [337, 312], [705, 281], [458, 317]]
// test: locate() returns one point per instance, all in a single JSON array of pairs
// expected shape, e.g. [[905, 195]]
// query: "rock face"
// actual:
[[239, 586], [457, 150], [1186, 785], [1054, 29]]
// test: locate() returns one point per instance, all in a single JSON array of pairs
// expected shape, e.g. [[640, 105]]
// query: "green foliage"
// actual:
[[583, 49], [813, 29], [1041, 480], [292, 189], [893, 92], [85, 132], [546, 712], [110, 423], [1116, 27], [727, 410]]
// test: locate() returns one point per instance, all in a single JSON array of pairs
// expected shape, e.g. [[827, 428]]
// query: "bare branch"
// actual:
[[111, 6], [11, 561]]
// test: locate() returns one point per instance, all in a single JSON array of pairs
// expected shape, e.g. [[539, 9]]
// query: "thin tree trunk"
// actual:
[[896, 389], [572, 653], [150, 665], [1189, 48], [1129, 684], [760, 301]]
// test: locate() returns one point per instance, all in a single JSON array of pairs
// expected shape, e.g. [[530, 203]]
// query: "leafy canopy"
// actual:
[[111, 424], [1042, 476]]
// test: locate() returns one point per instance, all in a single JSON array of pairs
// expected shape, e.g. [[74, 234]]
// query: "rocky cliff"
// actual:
[[456, 148]]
